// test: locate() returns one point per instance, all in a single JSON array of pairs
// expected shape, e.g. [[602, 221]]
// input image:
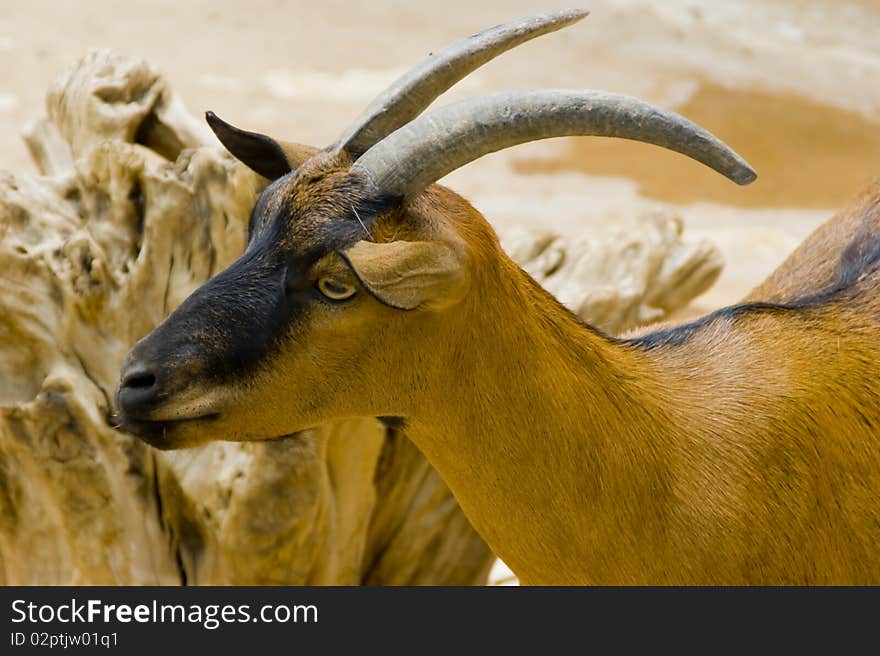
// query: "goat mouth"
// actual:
[[157, 432]]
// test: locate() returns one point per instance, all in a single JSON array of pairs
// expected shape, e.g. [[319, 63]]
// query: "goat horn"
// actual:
[[409, 95], [423, 151]]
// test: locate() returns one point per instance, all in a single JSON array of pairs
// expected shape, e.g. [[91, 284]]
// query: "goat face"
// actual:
[[292, 333], [353, 255]]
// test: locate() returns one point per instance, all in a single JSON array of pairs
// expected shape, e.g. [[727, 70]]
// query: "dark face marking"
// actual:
[[231, 326], [231, 321], [261, 216], [243, 312]]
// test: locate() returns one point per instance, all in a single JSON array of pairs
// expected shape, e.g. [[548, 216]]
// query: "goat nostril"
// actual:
[[138, 391], [139, 380]]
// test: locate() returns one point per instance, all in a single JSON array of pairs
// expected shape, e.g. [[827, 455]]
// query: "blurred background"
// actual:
[[790, 84]]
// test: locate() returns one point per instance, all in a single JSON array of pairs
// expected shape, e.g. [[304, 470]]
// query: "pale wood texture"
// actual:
[[138, 206]]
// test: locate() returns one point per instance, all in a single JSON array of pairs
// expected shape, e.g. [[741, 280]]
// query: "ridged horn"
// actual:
[[437, 143], [409, 95]]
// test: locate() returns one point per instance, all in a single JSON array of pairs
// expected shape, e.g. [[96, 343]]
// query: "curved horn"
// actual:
[[409, 95], [423, 151]]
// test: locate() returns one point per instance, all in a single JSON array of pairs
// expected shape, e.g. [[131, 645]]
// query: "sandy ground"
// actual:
[[791, 84]]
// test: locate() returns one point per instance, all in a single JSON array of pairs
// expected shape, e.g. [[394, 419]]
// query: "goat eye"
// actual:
[[335, 290]]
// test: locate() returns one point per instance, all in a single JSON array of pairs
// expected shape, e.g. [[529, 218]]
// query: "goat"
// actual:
[[740, 448]]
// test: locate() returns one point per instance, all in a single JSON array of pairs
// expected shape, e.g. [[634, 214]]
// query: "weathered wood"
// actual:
[[138, 207]]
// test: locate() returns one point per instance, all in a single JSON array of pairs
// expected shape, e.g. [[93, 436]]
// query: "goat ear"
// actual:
[[410, 274], [262, 154]]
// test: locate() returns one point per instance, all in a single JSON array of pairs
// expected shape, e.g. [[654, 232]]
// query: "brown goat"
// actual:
[[741, 448]]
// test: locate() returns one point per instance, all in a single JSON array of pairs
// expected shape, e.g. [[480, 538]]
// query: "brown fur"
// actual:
[[747, 453], [742, 449]]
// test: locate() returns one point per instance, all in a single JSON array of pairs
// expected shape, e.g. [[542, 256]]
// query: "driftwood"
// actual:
[[137, 207]]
